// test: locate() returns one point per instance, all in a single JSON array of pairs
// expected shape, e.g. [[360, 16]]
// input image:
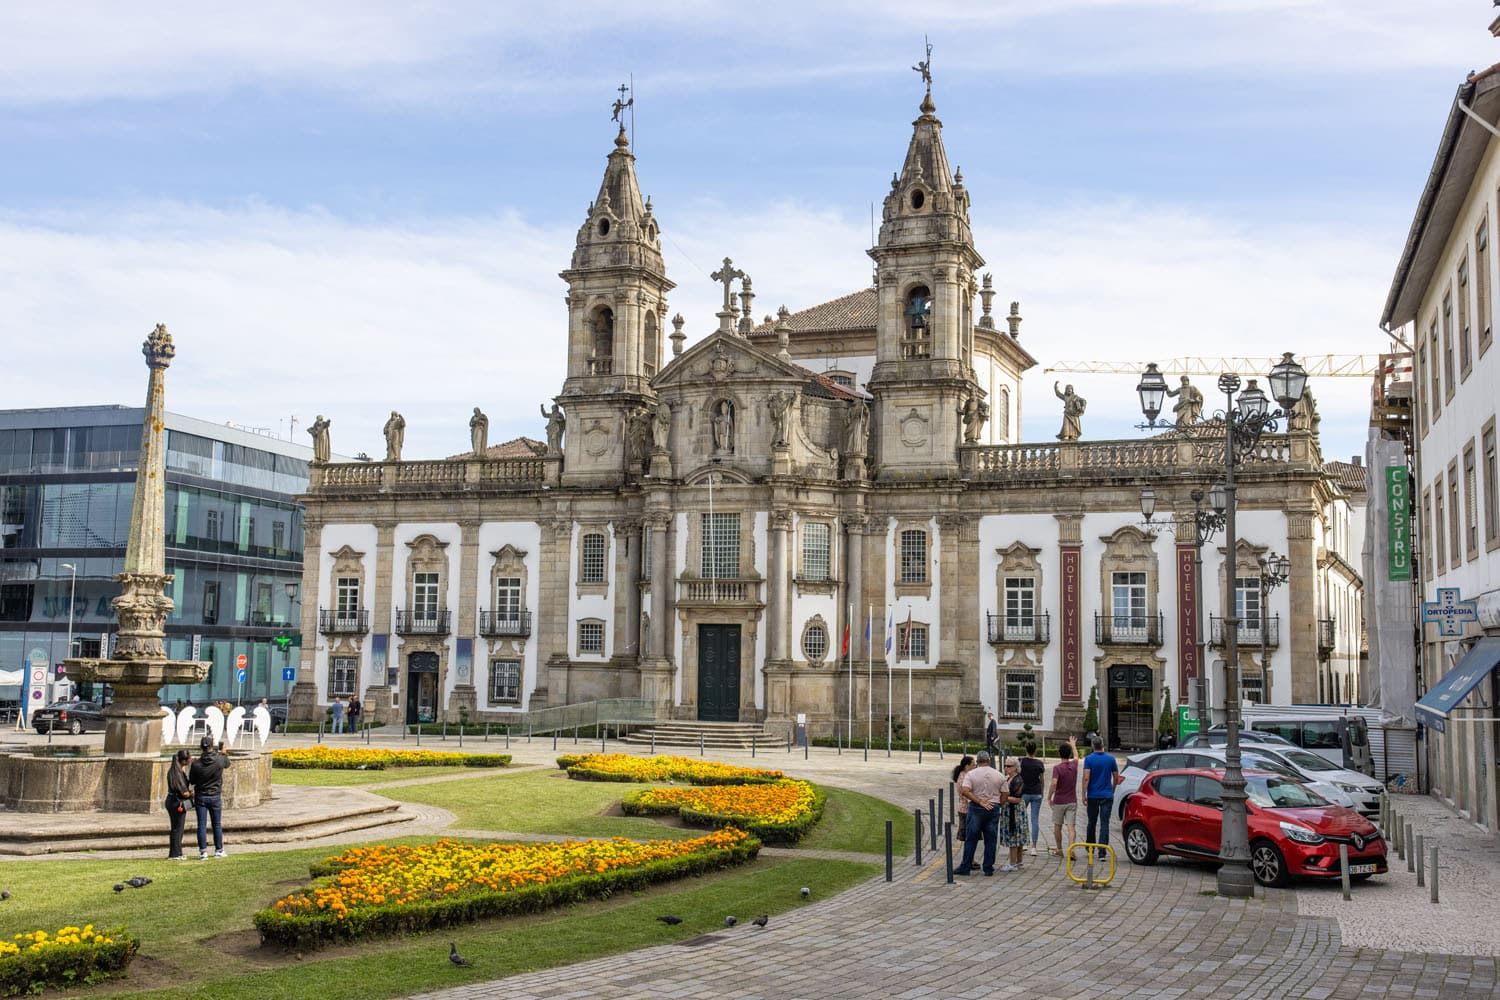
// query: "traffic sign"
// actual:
[[288, 673], [240, 661], [239, 675]]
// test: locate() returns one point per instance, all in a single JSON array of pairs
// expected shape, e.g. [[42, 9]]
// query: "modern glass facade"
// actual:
[[233, 534]]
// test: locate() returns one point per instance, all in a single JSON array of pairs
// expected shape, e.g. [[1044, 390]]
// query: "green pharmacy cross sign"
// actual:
[[285, 642]]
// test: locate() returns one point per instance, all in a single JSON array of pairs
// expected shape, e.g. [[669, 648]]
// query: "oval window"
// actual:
[[603, 227], [918, 199]]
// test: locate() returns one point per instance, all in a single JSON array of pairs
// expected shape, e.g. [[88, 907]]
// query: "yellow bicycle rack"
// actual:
[[1091, 851]]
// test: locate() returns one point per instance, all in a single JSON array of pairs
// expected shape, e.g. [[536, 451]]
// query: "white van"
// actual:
[[1378, 744]]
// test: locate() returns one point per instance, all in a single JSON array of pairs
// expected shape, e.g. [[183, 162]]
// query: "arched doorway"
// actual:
[[421, 688]]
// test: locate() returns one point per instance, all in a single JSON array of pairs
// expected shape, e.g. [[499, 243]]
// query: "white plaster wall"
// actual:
[[444, 532], [993, 376], [527, 537], [360, 538], [601, 606], [1039, 531]]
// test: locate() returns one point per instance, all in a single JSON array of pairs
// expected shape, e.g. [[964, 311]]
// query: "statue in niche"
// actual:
[[974, 414], [781, 404], [637, 439], [479, 432], [556, 424], [1073, 407], [322, 450], [857, 429], [1189, 408], [661, 425], [395, 436], [1305, 416], [723, 427]]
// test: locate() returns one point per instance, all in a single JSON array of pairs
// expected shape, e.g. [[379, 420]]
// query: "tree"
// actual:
[[1091, 716], [1166, 724]]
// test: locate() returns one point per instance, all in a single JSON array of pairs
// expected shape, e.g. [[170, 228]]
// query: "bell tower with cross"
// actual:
[[617, 301], [925, 266]]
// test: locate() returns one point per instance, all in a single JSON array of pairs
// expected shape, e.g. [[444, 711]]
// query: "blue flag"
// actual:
[[890, 632]]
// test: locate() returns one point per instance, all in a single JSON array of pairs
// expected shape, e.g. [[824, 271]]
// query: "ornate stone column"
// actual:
[[555, 566], [1302, 623], [628, 638], [655, 664], [855, 526], [466, 628], [778, 525], [302, 700]]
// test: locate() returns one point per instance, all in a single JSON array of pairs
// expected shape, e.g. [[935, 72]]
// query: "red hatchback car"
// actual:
[[1294, 832]]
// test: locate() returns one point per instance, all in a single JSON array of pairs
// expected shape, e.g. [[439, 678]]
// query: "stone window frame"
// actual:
[[913, 588], [492, 697], [1436, 396], [1465, 346], [507, 562], [704, 552], [1455, 534], [1450, 367], [1021, 675], [589, 624], [810, 628], [1001, 414], [1489, 473], [585, 585], [829, 550], [1128, 549], [1018, 561], [1471, 501], [427, 554], [902, 648], [913, 348], [344, 660], [1246, 565]]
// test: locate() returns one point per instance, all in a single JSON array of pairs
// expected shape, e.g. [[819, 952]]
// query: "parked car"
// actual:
[[1316, 772], [1294, 832], [1342, 740], [1218, 736], [73, 717], [1252, 757]]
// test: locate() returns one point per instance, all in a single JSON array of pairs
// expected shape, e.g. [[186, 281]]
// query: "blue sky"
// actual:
[[364, 207]]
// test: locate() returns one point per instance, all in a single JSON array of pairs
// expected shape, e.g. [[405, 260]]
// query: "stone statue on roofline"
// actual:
[[322, 450], [556, 424], [857, 429], [661, 425], [1189, 408], [780, 405], [1073, 407], [479, 432], [395, 436]]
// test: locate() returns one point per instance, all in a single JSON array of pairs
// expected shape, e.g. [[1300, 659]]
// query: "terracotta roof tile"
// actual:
[[855, 311], [1350, 477], [521, 447]]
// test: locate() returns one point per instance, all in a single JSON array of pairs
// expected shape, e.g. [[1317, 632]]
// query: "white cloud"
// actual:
[[442, 50], [278, 313]]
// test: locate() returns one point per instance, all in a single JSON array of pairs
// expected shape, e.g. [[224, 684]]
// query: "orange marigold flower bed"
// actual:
[[694, 771], [391, 888], [776, 812]]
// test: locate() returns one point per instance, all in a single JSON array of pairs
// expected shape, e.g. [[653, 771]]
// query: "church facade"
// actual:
[[728, 534]]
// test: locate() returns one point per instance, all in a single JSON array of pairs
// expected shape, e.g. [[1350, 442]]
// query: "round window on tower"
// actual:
[[603, 227], [918, 199]]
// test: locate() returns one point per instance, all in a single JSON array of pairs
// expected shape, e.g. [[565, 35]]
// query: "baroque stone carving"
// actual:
[[781, 404], [556, 423], [479, 432], [857, 429], [1189, 408], [322, 450], [723, 427], [395, 436], [1073, 407]]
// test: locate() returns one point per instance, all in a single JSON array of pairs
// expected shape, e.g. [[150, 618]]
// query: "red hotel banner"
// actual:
[[1072, 688], [1187, 620]]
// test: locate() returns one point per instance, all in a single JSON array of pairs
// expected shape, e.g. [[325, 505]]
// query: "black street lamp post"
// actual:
[[1245, 419]]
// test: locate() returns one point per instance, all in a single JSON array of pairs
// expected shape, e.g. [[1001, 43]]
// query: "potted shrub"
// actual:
[[1166, 723]]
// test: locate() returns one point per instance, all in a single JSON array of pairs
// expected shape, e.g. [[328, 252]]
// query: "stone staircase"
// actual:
[[714, 736]]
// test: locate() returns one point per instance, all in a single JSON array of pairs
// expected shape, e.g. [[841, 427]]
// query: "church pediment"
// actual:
[[725, 357]]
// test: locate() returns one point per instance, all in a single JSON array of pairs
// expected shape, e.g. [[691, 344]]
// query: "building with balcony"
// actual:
[[233, 535], [715, 528]]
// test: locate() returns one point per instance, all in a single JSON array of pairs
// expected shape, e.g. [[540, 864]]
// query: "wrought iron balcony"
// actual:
[[511, 624], [1013, 630], [422, 622], [1128, 630], [1326, 635], [335, 622], [1248, 631]]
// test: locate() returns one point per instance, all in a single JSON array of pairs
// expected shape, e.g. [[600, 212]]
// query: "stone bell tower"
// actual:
[[617, 288], [924, 338]]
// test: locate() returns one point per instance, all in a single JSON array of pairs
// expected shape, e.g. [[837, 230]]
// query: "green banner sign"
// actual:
[[1187, 724], [1398, 520]]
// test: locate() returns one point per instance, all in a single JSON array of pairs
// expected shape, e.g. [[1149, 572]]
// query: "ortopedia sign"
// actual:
[[1449, 611]]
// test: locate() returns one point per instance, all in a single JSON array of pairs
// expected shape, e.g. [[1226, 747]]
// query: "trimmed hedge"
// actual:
[[66, 966], [313, 930]]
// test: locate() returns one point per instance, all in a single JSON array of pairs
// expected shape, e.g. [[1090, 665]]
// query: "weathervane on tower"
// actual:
[[621, 104], [925, 66]]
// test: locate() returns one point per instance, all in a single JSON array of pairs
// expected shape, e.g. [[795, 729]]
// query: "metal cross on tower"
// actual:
[[621, 104]]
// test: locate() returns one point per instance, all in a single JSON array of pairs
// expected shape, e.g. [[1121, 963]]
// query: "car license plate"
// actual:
[[1362, 869]]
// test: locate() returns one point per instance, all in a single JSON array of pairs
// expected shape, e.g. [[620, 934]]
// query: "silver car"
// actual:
[[1363, 789], [1261, 758]]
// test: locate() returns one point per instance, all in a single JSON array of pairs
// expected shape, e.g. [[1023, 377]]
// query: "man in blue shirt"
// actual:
[[1100, 776]]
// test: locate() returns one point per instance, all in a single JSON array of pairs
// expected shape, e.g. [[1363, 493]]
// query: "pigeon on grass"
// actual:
[[455, 957], [805, 892], [119, 887], [670, 920], [731, 921]]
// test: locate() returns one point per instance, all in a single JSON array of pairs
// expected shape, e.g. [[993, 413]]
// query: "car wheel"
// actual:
[[1138, 845], [1268, 865], [75, 728]]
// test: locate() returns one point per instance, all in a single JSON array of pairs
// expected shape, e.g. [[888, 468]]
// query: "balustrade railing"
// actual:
[[718, 591], [1248, 632]]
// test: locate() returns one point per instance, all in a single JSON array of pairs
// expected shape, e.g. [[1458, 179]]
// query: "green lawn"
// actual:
[[855, 822], [332, 776], [197, 940]]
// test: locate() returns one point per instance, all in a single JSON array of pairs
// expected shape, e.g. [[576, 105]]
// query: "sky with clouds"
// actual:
[[349, 207]]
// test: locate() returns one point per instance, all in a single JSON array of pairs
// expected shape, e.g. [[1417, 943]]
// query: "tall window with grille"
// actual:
[[346, 599], [721, 545], [1253, 687], [1128, 601], [1471, 504], [1465, 352], [817, 550], [505, 682], [508, 599], [1247, 607], [424, 597], [913, 556], [1020, 607], [591, 637], [1019, 700], [591, 558], [343, 675]]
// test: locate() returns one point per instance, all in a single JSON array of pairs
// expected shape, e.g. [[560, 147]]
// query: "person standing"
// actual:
[[1012, 817], [355, 711], [1100, 776], [337, 711], [992, 737], [1032, 772], [207, 778], [1064, 796], [179, 794], [985, 789], [960, 769]]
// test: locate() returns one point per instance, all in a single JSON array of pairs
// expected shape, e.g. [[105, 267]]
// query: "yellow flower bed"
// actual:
[[776, 812], [70, 956], [399, 888], [695, 771], [356, 758]]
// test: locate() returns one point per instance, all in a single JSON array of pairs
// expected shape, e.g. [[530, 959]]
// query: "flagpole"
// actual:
[[870, 686], [890, 700], [908, 706], [849, 662]]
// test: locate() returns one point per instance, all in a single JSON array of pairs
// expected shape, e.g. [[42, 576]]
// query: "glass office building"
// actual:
[[233, 534]]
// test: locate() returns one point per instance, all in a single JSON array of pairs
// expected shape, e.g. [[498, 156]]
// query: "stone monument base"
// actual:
[[76, 778]]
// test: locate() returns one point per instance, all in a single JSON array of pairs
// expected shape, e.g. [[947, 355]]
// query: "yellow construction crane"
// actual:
[[1317, 365]]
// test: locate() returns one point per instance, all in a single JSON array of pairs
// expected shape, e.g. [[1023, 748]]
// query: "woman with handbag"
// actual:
[[178, 796]]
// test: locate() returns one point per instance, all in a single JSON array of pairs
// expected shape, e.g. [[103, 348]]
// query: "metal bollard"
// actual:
[[700, 744], [367, 734], [1396, 831], [1433, 866], [403, 732], [507, 736], [952, 802], [460, 735], [805, 749], [444, 736], [486, 732], [320, 732], [752, 745], [940, 748], [948, 849], [1344, 869], [419, 734], [867, 748], [839, 736], [917, 814], [941, 793], [920, 747], [932, 823], [1411, 858], [575, 734], [554, 739], [1421, 862], [603, 735], [889, 863], [528, 730]]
